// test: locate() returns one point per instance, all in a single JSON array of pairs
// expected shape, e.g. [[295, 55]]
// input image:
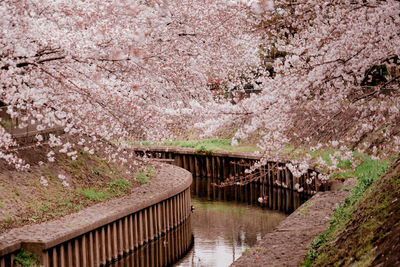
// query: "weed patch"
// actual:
[[92, 194], [25, 259], [143, 177], [119, 186]]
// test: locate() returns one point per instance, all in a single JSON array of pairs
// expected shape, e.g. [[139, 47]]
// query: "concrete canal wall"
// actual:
[[222, 165], [103, 233]]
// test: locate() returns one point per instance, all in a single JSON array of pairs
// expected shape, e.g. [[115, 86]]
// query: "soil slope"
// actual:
[[50, 190], [372, 235]]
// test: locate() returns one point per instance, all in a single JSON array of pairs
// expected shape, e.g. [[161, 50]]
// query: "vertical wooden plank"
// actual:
[[185, 161], [96, 247], [136, 237], [125, 235], [54, 257], [131, 243], [103, 245], [83, 250], [141, 228], [150, 223], [46, 258], [114, 236], [108, 243], [120, 238], [208, 167], [159, 226], [167, 213], [76, 255], [163, 217], [63, 262], [145, 225], [70, 253], [90, 248], [191, 164]]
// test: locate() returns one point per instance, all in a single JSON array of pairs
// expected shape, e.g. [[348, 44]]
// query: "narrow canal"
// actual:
[[224, 230], [225, 223]]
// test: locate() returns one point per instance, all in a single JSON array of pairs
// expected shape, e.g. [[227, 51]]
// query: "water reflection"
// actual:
[[276, 198], [223, 230], [225, 222], [162, 252]]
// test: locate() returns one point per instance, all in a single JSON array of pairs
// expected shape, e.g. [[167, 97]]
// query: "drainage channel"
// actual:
[[225, 223]]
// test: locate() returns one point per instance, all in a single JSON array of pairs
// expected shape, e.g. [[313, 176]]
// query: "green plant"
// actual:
[[95, 172], [7, 219], [304, 211], [118, 186], [44, 208], [150, 171], [245, 250], [145, 143], [92, 194], [26, 259], [78, 207], [67, 204], [142, 178]]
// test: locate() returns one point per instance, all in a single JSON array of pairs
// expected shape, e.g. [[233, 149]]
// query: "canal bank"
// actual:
[[106, 231], [287, 244]]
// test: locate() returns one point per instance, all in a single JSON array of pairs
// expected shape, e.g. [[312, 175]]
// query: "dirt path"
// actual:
[[287, 244]]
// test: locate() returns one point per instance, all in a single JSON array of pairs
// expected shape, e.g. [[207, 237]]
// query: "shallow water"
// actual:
[[224, 230]]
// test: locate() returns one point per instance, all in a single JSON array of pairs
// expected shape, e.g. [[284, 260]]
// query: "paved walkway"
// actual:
[[287, 244]]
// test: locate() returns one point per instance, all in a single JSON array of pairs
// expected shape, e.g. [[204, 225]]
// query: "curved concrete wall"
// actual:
[[106, 231], [222, 165]]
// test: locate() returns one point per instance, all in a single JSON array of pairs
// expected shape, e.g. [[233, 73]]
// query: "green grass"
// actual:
[[119, 186], [212, 145], [204, 145], [305, 209], [25, 259], [144, 176], [114, 188], [367, 172], [366, 165], [92, 194]]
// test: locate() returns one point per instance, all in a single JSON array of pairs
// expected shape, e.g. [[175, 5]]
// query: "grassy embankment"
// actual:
[[367, 224], [39, 193]]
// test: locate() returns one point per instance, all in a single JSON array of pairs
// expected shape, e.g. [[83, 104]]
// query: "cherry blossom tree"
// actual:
[[117, 69], [328, 86], [328, 71]]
